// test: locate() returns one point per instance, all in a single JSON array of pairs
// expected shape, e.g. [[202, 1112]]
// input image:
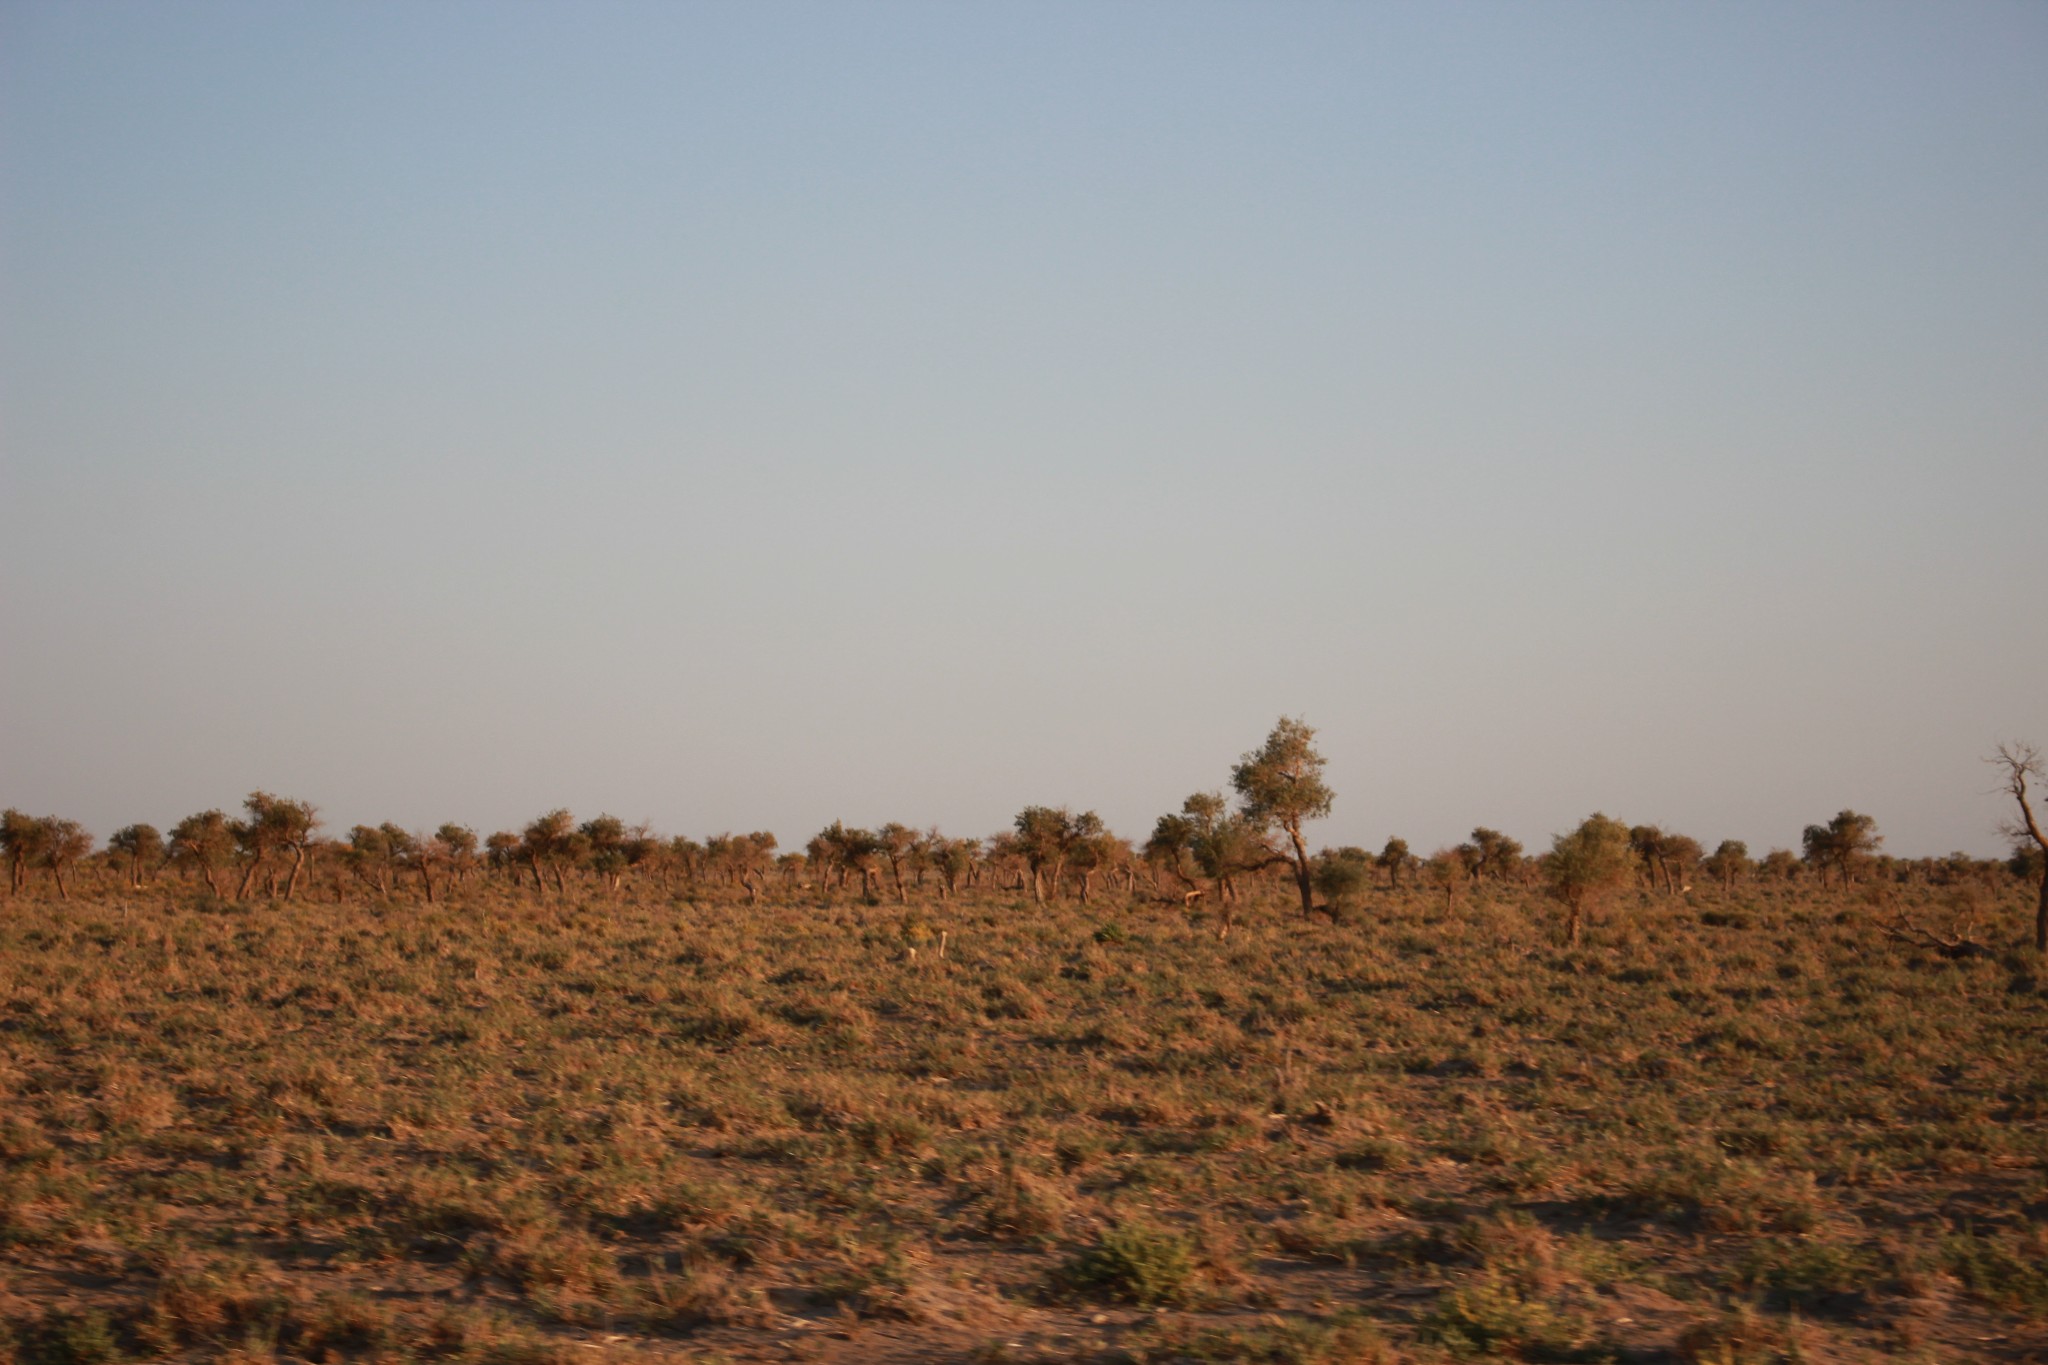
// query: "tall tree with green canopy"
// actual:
[[373, 852], [456, 845], [1730, 861], [143, 847], [274, 824], [1842, 844], [897, 843], [1226, 844], [549, 842], [604, 845], [204, 843], [1394, 859], [21, 838], [1499, 856], [847, 850], [1047, 836], [1172, 837], [752, 857], [1281, 784], [1585, 864], [64, 842]]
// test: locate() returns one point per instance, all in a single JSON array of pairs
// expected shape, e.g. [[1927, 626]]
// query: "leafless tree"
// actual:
[[2021, 763]]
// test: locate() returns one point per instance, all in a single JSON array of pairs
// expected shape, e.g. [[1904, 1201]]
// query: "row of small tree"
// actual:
[[1211, 845]]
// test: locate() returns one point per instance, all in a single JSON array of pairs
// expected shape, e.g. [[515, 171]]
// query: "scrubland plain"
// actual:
[[1743, 1124]]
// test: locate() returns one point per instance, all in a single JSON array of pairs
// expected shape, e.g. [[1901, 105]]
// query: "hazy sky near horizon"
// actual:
[[751, 415]]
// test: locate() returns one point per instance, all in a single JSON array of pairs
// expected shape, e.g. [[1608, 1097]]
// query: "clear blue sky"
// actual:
[[750, 415]]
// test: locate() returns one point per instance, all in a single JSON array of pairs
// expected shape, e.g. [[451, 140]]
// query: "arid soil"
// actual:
[[1730, 1126]]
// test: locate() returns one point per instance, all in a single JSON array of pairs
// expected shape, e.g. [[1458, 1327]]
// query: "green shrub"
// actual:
[[1808, 1274], [1489, 1315], [1137, 1263], [2009, 1272], [62, 1338]]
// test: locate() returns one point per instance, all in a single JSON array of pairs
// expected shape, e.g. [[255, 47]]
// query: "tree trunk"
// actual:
[[2041, 910], [1037, 887], [2033, 829], [291, 884], [1301, 877], [248, 878]]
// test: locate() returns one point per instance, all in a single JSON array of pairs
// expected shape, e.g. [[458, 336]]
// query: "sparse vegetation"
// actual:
[[591, 1088]]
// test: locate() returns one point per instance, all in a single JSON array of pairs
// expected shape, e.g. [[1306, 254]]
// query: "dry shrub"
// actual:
[[1008, 1202], [706, 1294], [210, 1300], [543, 1254], [1741, 1337]]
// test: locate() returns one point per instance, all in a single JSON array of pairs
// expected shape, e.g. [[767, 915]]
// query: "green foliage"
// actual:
[[1842, 845], [202, 843], [2009, 1271], [1342, 875], [142, 845], [1809, 1273], [1394, 859], [1490, 1315], [1137, 1263], [1730, 862], [73, 1338], [1496, 855], [1225, 844], [1591, 859], [1281, 782]]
